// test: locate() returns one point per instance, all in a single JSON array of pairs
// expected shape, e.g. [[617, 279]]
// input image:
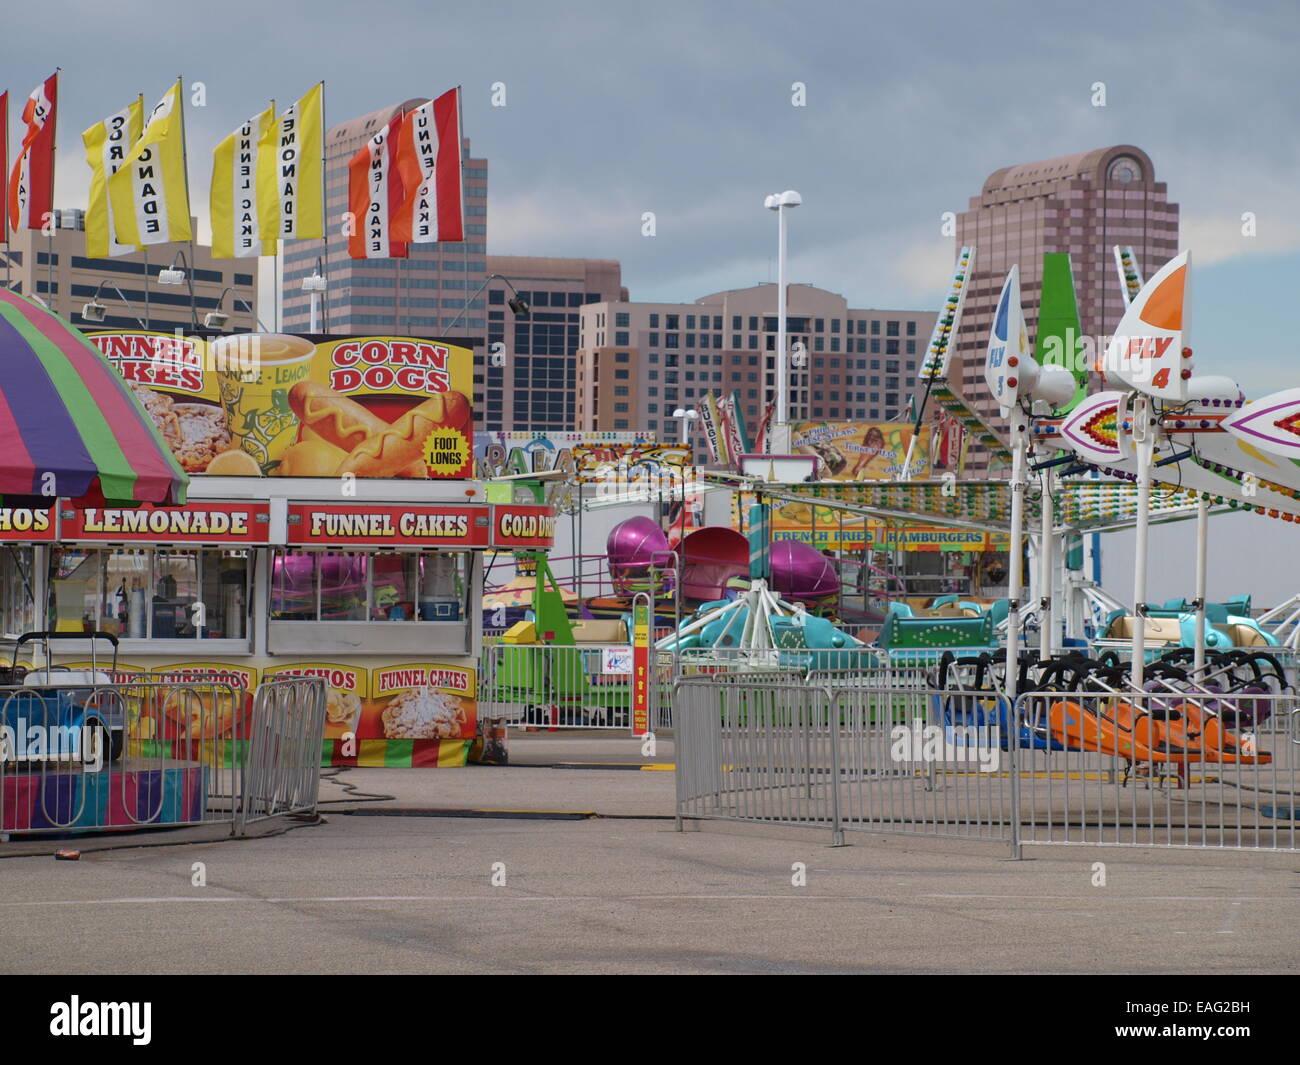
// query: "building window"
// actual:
[[621, 319], [654, 340], [620, 338], [735, 340], [622, 356], [621, 375], [891, 329], [671, 321], [671, 339], [735, 324], [911, 329], [690, 321], [654, 321]]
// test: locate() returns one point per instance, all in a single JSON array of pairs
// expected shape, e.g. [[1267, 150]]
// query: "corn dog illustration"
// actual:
[[336, 419], [331, 418], [402, 443]]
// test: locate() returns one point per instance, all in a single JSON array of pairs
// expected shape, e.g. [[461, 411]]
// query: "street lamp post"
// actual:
[[780, 202], [685, 417], [316, 284]]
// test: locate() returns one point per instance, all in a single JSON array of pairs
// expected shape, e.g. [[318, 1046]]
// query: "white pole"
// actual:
[[314, 298], [1019, 453], [1145, 444], [1046, 565], [1202, 557], [782, 387]]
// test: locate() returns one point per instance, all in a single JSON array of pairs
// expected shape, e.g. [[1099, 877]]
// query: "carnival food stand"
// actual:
[[369, 576]]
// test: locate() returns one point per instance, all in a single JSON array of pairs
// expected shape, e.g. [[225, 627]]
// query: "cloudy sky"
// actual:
[[684, 109]]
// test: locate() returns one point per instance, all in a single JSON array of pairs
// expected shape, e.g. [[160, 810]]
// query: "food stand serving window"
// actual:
[[376, 578], [410, 586], [152, 593], [17, 590], [176, 574]]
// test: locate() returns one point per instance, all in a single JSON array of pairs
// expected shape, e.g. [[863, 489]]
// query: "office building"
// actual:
[[532, 383], [638, 362], [424, 294], [55, 268], [1083, 204]]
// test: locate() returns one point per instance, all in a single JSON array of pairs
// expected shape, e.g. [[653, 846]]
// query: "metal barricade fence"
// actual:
[[554, 687], [146, 752], [282, 773], [1160, 769], [755, 752], [1156, 769]]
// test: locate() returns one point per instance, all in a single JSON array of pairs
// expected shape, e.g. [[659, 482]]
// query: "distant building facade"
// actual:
[[423, 294], [1083, 204], [535, 386], [638, 362], [58, 271]]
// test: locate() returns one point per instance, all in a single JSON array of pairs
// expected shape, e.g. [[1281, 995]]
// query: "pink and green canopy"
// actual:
[[69, 426]]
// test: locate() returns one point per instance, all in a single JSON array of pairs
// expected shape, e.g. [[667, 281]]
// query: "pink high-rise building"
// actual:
[[1083, 204]]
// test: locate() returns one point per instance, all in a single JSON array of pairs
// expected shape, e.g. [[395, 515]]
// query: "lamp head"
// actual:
[[215, 320], [518, 306], [93, 311], [171, 275]]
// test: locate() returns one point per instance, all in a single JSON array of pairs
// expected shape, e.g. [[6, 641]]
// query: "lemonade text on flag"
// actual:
[[149, 194]]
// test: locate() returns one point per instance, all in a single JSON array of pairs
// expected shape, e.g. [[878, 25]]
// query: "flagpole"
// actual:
[[460, 154], [145, 249], [324, 213], [52, 221], [4, 208], [185, 168]]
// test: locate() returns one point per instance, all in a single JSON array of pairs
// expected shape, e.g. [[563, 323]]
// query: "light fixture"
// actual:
[[517, 303], [215, 320], [94, 311], [174, 275]]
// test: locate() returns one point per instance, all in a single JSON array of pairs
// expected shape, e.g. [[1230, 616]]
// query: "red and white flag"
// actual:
[[429, 160], [374, 194], [31, 182]]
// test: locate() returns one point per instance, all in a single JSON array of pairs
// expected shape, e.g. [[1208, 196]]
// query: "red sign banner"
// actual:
[[523, 526], [195, 523], [640, 667], [19, 525], [449, 526]]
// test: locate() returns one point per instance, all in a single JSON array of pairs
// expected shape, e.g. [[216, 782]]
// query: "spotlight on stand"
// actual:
[[518, 306], [92, 311], [215, 320]]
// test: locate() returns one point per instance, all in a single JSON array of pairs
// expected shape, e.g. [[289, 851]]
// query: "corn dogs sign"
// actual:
[[282, 405]]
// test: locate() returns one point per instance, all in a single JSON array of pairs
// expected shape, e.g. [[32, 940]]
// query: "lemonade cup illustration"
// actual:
[[255, 372]]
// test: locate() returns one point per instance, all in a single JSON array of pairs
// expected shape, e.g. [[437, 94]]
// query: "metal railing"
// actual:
[[148, 752], [887, 752]]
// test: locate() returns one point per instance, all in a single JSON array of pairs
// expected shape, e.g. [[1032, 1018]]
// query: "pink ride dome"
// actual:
[[711, 557], [802, 572], [632, 546]]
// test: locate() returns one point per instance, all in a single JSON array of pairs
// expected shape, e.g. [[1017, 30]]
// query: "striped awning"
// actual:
[[69, 425]]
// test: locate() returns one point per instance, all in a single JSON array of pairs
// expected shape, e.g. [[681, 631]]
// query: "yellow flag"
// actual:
[[149, 194], [236, 220], [289, 195], [107, 144]]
